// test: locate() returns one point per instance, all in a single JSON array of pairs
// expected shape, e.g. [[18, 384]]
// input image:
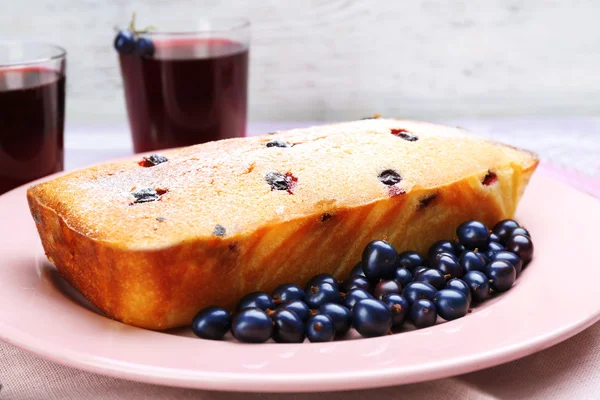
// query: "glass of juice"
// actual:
[[32, 111], [185, 82]]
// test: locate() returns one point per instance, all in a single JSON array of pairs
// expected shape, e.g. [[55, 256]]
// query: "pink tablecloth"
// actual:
[[568, 370]]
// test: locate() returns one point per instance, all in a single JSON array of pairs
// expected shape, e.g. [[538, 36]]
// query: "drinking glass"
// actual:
[[32, 111], [186, 83]]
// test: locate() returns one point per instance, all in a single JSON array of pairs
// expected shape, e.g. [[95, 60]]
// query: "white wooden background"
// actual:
[[343, 59]]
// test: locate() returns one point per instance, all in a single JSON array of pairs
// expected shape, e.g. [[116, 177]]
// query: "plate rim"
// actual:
[[318, 382]]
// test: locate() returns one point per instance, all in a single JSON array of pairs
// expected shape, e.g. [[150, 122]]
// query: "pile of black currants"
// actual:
[[383, 291]]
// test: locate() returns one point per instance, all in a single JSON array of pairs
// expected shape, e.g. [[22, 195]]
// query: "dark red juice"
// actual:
[[32, 111], [191, 91]]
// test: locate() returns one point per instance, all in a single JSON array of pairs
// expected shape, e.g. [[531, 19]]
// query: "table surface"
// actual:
[[571, 151]]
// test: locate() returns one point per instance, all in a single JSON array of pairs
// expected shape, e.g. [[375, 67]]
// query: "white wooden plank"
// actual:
[[342, 59]]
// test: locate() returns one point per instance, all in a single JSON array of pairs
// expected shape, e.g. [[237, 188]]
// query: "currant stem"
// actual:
[[132, 22], [135, 32]]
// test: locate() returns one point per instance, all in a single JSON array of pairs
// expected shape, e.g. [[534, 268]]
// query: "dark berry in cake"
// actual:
[[424, 201], [326, 217], [404, 134], [489, 178], [277, 181], [277, 143], [153, 160], [219, 230], [145, 195], [389, 177]]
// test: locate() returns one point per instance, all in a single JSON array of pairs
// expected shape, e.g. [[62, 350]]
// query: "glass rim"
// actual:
[[236, 24], [61, 53]]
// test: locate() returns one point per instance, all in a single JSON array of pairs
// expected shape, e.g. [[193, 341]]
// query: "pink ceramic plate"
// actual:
[[39, 312]]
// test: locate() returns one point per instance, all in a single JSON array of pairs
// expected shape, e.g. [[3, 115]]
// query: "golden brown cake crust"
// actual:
[[219, 230]]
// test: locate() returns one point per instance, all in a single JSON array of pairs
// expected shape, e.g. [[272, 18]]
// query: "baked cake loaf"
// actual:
[[152, 241]]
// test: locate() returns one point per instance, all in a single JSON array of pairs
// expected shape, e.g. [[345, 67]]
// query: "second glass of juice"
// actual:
[[192, 88], [32, 111]]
